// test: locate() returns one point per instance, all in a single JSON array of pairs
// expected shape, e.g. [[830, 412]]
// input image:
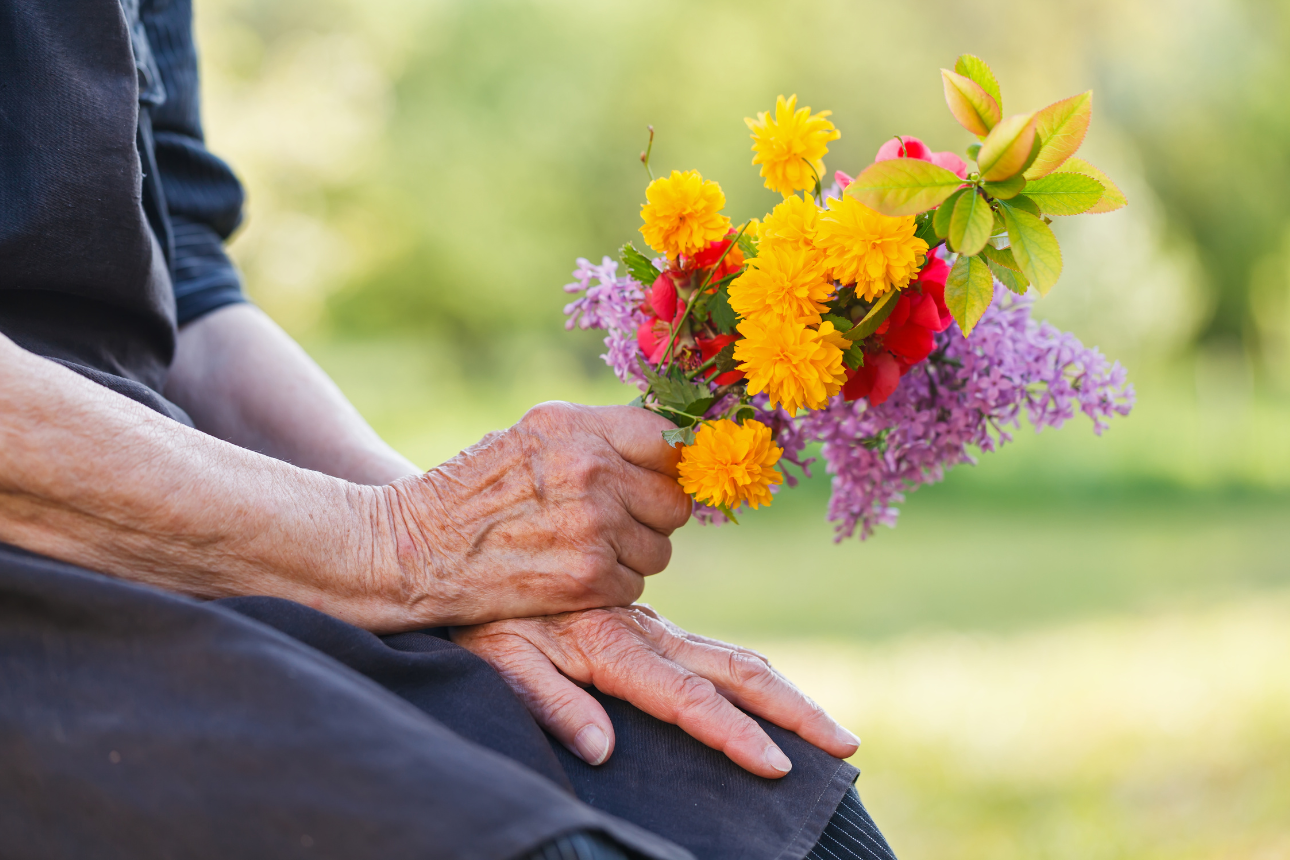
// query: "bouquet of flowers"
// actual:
[[886, 316]]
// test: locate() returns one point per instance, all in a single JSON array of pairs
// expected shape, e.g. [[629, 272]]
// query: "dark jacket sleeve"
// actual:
[[202, 195]]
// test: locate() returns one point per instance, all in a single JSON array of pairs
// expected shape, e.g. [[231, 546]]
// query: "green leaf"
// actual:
[[903, 186], [1007, 148], [854, 356], [1111, 200], [744, 413], [1065, 193], [973, 107], [1025, 204], [975, 68], [874, 318], [640, 267], [681, 435], [720, 312], [637, 401], [970, 224], [1061, 126], [725, 360], [1000, 257], [1014, 281], [968, 291], [926, 230], [748, 245], [1034, 246], [973, 150], [730, 515], [1007, 189], [941, 217], [675, 392]]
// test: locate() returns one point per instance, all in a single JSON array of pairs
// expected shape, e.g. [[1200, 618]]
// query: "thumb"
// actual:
[[558, 705], [637, 435]]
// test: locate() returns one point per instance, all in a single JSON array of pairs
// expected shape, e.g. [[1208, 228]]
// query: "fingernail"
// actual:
[[777, 760], [592, 745], [846, 737]]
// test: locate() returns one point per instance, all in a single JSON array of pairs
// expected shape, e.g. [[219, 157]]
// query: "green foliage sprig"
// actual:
[[997, 219]]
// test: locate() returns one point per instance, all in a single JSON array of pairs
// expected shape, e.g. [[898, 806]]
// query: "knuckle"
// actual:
[[696, 694], [748, 671]]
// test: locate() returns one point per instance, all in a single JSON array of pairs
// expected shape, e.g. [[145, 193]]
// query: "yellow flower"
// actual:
[[873, 251], [792, 222], [783, 281], [728, 465], [683, 215], [790, 144], [796, 366]]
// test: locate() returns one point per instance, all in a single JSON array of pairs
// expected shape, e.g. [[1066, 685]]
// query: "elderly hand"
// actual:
[[569, 509], [636, 654]]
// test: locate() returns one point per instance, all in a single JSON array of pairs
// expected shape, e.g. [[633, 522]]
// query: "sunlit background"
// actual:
[[1079, 648]]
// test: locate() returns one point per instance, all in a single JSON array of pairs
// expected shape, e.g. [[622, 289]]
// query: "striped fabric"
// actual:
[[851, 835], [580, 846]]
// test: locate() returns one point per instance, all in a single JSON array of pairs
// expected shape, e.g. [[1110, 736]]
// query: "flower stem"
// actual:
[[694, 297], [645, 155]]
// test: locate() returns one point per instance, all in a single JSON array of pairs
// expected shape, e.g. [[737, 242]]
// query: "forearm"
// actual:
[[97, 480], [244, 380]]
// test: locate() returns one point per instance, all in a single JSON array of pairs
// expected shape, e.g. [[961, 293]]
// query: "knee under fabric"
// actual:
[[581, 846], [850, 835]]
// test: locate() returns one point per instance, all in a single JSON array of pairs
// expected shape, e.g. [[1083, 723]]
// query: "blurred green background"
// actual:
[[1079, 648]]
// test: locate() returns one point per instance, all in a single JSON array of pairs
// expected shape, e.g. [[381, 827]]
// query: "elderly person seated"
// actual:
[[235, 623]]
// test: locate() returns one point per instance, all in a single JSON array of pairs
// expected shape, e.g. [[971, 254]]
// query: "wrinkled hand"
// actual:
[[633, 653], [569, 509]]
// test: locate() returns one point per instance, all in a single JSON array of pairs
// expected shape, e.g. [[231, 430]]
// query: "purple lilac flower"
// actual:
[[612, 303], [966, 395]]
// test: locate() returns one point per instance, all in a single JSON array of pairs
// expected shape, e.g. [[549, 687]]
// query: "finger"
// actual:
[[750, 682], [695, 637], [637, 435], [640, 548], [570, 714], [654, 499], [675, 695]]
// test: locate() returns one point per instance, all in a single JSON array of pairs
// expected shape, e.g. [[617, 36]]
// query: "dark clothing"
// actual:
[[139, 724], [136, 724], [112, 211]]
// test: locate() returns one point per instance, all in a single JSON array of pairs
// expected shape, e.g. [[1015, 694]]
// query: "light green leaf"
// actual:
[[1001, 257], [679, 435], [974, 108], [1061, 126], [968, 291], [1025, 204], [973, 150], [1007, 148], [941, 217], [1112, 199], [1034, 246], [1007, 189], [674, 392], [1065, 193], [975, 68], [1014, 281], [876, 316], [903, 186], [970, 224], [640, 267]]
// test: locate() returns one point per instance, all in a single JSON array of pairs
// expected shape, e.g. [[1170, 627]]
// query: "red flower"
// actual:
[[707, 258], [912, 147], [906, 337], [708, 348], [877, 379]]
